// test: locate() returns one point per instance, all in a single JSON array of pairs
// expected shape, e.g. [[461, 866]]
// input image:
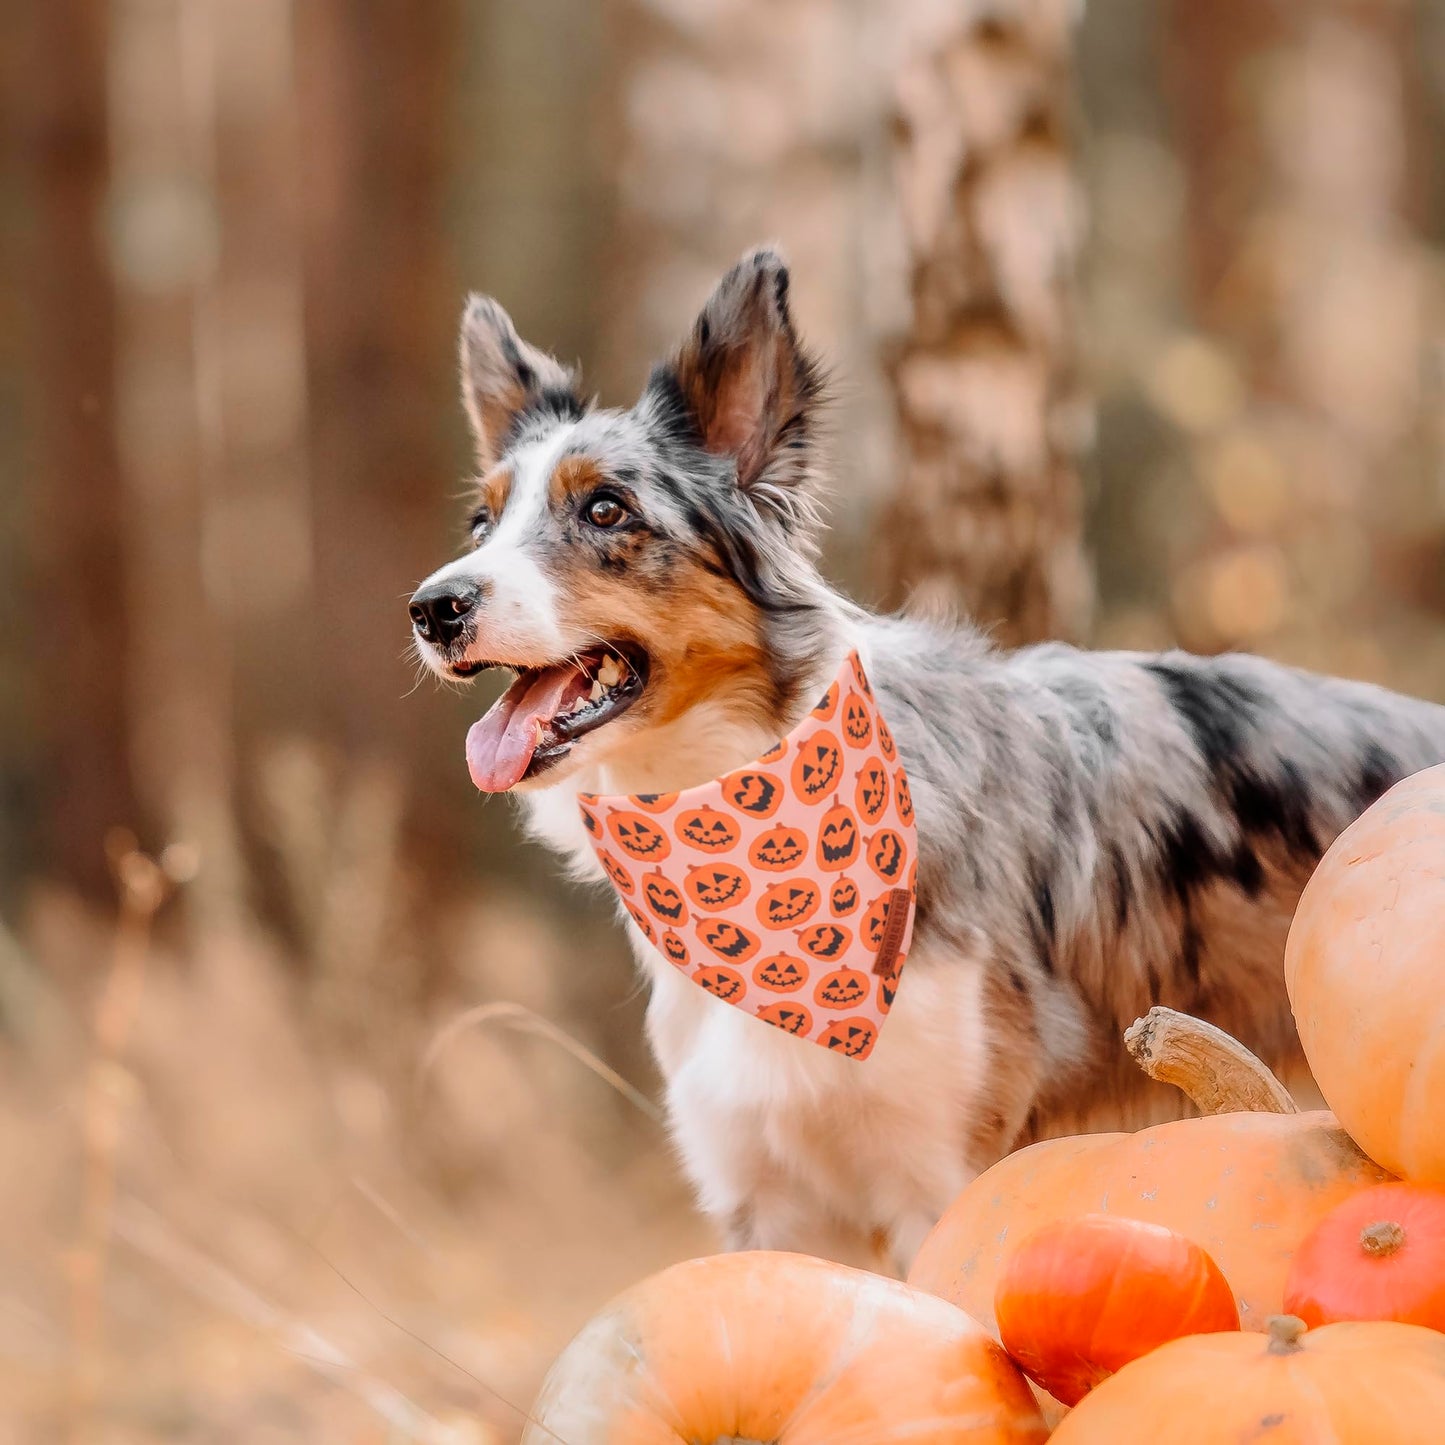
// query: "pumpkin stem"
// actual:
[[1216, 1071], [1285, 1333], [1382, 1240]]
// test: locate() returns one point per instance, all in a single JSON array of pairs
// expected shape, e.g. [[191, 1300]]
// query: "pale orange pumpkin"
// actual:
[[1246, 1187], [1378, 1256], [786, 1349], [1080, 1298], [1363, 969], [1349, 1384]]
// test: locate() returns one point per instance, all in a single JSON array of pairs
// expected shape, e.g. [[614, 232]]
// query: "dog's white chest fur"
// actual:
[[787, 1145]]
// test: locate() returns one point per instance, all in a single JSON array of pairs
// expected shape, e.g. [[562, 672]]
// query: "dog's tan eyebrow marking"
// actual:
[[494, 489], [573, 476]]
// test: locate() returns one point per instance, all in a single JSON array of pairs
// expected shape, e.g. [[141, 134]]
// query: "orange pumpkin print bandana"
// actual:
[[787, 888]]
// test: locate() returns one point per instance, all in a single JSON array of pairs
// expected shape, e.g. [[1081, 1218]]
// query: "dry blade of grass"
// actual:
[[524, 1020]]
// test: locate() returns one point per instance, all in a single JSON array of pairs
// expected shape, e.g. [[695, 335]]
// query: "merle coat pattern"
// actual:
[[1099, 832]]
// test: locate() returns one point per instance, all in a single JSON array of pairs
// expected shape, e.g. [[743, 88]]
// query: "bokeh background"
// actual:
[[324, 1110]]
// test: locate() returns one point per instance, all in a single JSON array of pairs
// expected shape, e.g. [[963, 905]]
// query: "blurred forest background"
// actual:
[[1137, 316]]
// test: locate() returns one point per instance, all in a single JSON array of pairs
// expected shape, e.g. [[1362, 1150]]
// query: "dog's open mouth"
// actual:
[[547, 709]]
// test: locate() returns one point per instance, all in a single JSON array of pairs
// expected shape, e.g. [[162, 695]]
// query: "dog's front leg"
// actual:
[[775, 1219]]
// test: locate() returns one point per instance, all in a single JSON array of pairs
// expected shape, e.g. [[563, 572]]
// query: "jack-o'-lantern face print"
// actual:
[[904, 795], [706, 829], [838, 838], [887, 854], [621, 878], [780, 973], [843, 898], [590, 821], [784, 904], [643, 922], [857, 725], [875, 922], [818, 766], [655, 802], [825, 940], [779, 849], [663, 898], [887, 990], [842, 988], [674, 947], [871, 794], [721, 982], [728, 940], [754, 793], [715, 886], [791, 1017], [827, 704], [885, 742], [778, 750], [859, 676], [637, 836], [852, 1037]]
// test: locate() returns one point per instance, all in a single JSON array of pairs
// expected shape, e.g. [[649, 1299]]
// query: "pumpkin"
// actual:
[[885, 742], [859, 676], [1245, 1186], [1363, 969], [838, 838], [824, 940], [852, 1037], [843, 898], [783, 1348], [904, 795], [778, 850], [778, 750], [1080, 1298], [857, 725], [707, 829], [875, 920], [887, 853], [674, 947], [637, 836], [616, 872], [827, 704], [870, 796], [727, 939], [715, 886], [1378, 1256], [1349, 1384], [792, 901], [662, 897], [655, 802], [842, 988], [791, 1017], [721, 981], [752, 792], [780, 973], [818, 766], [643, 922]]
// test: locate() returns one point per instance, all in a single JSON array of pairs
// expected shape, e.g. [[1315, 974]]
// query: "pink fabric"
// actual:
[[787, 888]]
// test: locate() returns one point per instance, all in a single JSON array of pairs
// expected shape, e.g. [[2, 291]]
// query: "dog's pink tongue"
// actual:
[[501, 744]]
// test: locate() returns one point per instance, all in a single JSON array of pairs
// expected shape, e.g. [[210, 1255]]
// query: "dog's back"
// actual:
[[1126, 830]]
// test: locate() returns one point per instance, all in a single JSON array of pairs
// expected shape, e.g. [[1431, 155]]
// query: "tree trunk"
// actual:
[[987, 513], [78, 627], [1302, 398]]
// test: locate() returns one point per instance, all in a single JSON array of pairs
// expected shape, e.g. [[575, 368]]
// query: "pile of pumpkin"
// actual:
[[1252, 1274]]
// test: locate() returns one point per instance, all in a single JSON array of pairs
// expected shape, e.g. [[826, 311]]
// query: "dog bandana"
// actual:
[[788, 887]]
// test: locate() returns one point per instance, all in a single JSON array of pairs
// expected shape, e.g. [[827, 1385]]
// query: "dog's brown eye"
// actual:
[[605, 511]]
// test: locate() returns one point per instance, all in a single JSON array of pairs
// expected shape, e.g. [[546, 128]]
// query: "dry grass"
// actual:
[[259, 1195]]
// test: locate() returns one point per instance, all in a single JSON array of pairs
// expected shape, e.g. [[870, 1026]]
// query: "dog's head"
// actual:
[[634, 568]]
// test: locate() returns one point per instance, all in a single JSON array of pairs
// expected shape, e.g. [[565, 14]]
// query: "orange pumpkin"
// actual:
[[783, 1348], [842, 988], [1246, 1187], [818, 766], [1363, 969], [655, 802], [853, 1038], [727, 939], [825, 940], [778, 849], [1080, 1298], [871, 794], [857, 725], [674, 947], [795, 900], [885, 742], [663, 898], [1378, 1256], [843, 898], [838, 838], [1350, 1384], [723, 982], [755, 793], [706, 829], [827, 704], [638, 836], [791, 1017], [887, 853], [904, 795], [780, 973], [616, 872], [643, 922], [716, 886]]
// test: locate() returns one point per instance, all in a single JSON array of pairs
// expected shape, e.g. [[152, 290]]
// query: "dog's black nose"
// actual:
[[439, 612]]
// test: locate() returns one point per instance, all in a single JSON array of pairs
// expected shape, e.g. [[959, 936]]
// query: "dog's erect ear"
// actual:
[[748, 388], [503, 376]]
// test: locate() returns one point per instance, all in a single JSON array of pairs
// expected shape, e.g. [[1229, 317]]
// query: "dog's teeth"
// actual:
[[609, 673], [541, 731], [597, 691]]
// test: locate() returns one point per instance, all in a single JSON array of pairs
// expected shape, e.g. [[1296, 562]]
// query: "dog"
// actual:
[[1097, 832]]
